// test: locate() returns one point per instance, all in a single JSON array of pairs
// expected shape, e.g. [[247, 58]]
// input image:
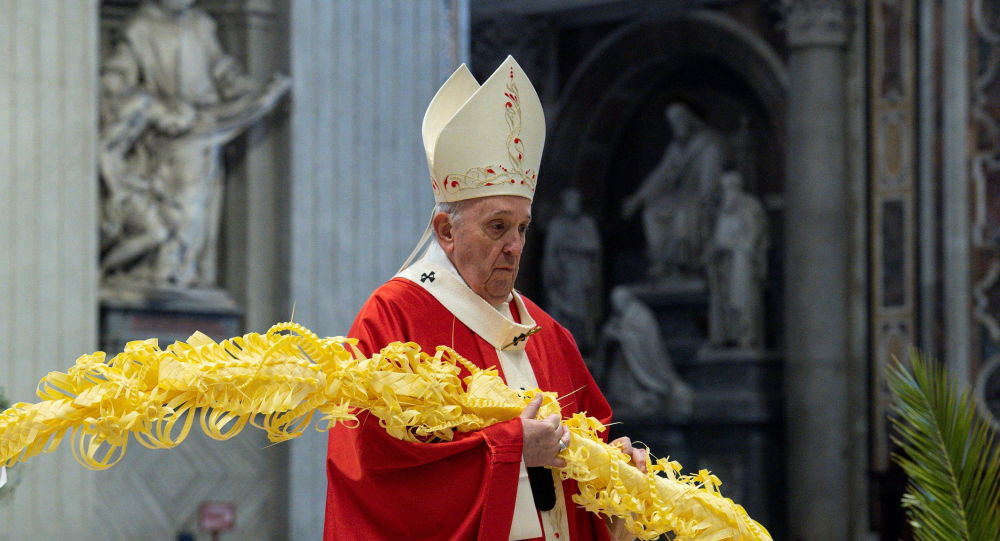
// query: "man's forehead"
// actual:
[[503, 205]]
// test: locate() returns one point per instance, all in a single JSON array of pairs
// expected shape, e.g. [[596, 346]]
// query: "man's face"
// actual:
[[487, 242]]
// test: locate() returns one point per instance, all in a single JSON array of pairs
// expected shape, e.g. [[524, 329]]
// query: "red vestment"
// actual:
[[381, 488]]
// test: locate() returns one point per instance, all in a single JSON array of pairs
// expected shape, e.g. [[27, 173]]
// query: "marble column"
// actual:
[[48, 227], [817, 271], [363, 73], [956, 205]]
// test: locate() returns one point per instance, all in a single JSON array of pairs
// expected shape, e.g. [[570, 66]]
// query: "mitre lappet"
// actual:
[[483, 140]]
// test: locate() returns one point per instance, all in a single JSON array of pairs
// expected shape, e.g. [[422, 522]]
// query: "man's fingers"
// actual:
[[554, 421], [564, 436], [623, 443], [531, 410], [641, 459]]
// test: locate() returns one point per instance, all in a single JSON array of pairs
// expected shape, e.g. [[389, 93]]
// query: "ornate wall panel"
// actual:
[[892, 200], [984, 179], [155, 494]]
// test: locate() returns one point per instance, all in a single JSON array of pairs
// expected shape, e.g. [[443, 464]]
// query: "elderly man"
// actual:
[[483, 145]]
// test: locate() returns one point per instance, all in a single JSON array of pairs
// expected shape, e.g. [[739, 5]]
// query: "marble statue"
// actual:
[[171, 99], [638, 374], [131, 223], [736, 264], [571, 270], [677, 197]]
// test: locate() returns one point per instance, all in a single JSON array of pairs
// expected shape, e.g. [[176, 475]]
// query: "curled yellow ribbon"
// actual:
[[281, 380]]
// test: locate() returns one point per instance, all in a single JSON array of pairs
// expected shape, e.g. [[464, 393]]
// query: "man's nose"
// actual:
[[515, 245]]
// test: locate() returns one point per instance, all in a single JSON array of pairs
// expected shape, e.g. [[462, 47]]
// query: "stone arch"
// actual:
[[607, 129], [611, 83]]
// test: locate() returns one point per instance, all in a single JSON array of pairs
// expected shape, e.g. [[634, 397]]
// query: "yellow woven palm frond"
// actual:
[[284, 379]]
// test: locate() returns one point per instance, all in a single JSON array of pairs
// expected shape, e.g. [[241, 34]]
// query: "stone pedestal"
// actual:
[[737, 385], [735, 432], [168, 319], [681, 307], [155, 491]]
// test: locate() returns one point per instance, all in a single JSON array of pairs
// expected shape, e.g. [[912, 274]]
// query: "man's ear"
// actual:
[[444, 231]]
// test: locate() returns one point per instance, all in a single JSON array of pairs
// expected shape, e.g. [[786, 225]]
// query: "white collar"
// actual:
[[439, 277]]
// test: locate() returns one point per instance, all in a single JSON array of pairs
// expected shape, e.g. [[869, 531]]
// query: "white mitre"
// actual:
[[483, 140]]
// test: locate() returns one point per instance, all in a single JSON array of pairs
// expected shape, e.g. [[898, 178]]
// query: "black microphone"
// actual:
[[542, 488]]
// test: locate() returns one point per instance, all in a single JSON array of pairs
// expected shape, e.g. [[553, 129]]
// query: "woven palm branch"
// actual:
[[949, 454], [281, 380]]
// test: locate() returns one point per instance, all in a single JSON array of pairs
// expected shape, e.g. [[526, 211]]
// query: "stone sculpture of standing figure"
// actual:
[[171, 99], [736, 260], [571, 270], [676, 197]]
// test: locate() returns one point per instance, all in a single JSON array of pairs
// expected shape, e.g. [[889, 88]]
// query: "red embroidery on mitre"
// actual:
[[478, 177]]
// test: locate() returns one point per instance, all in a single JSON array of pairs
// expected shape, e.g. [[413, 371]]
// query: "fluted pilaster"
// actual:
[[363, 73], [48, 227]]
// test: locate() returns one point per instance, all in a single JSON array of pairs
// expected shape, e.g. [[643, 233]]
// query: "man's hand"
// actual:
[[640, 458], [542, 437]]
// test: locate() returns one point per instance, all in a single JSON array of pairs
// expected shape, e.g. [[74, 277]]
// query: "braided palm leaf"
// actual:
[[949, 454], [280, 380]]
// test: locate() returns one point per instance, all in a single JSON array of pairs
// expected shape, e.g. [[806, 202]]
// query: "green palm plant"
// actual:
[[949, 453]]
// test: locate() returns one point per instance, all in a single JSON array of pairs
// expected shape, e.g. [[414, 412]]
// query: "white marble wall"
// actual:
[[48, 236], [363, 73]]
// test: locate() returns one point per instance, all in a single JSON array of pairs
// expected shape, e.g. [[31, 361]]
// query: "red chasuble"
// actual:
[[381, 488]]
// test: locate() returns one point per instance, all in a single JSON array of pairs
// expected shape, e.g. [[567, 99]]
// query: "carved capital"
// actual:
[[811, 23]]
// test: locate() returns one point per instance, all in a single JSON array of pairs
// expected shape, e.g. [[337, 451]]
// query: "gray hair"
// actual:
[[454, 209]]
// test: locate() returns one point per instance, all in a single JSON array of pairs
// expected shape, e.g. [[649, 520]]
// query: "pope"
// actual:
[[483, 145]]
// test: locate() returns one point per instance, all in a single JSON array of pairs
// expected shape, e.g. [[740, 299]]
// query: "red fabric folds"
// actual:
[[383, 488]]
